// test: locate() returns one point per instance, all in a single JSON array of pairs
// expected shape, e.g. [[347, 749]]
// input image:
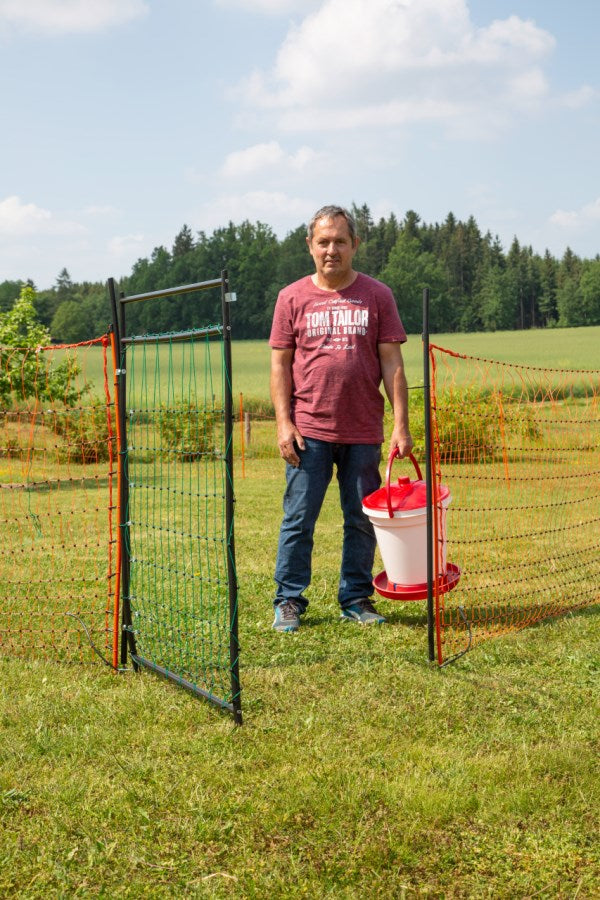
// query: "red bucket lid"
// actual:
[[403, 495]]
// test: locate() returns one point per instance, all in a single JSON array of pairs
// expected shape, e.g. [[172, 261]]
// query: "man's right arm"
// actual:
[[288, 436]]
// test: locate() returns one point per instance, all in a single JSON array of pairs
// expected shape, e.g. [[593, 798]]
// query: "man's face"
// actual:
[[332, 249]]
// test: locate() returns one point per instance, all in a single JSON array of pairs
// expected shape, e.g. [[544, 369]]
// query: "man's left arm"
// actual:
[[396, 388]]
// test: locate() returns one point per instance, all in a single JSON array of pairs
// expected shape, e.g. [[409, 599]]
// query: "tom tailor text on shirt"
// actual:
[[337, 321]]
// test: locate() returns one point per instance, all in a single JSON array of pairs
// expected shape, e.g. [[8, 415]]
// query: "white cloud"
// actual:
[[19, 219], [580, 97], [352, 64], [66, 16], [270, 7], [125, 246], [101, 210], [268, 157], [577, 219], [275, 208], [393, 112], [253, 159], [527, 86], [509, 40], [36, 243]]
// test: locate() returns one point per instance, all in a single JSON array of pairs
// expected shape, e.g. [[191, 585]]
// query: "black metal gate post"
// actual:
[[118, 324], [234, 647], [428, 477]]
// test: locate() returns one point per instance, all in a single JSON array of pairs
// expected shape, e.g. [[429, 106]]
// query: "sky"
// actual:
[[123, 120]]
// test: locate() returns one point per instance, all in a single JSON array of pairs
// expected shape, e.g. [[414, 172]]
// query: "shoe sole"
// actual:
[[358, 621], [285, 629]]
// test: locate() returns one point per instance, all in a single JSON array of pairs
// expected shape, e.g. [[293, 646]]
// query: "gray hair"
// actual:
[[330, 212]]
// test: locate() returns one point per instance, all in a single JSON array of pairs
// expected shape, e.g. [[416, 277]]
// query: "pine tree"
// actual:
[[63, 285], [183, 243], [548, 274]]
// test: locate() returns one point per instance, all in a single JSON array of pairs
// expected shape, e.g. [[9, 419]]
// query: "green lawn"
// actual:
[[560, 348], [362, 771], [575, 348]]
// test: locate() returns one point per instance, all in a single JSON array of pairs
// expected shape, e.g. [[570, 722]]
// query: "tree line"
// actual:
[[475, 285]]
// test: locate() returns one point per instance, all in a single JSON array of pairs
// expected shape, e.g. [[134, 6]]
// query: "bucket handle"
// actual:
[[388, 471]]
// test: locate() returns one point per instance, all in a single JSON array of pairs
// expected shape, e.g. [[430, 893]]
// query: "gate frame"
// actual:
[[431, 613], [128, 643]]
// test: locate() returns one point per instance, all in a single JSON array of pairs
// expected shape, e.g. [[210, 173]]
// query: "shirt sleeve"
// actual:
[[282, 328], [391, 329]]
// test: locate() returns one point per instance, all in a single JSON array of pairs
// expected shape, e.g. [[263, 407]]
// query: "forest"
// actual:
[[475, 284]]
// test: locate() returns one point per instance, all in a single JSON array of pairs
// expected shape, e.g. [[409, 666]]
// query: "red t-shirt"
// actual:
[[335, 370]]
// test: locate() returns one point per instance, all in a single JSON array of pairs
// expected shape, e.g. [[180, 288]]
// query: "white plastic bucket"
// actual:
[[402, 536]]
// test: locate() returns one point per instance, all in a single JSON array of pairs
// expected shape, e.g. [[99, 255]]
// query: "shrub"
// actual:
[[187, 430], [468, 423], [85, 432], [24, 371], [11, 447], [258, 408], [466, 426]]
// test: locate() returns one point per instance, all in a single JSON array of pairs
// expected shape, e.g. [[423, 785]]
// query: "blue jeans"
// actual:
[[358, 475]]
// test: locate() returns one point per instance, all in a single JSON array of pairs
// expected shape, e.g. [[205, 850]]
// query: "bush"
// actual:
[[24, 371], [468, 423], [85, 432], [187, 430], [11, 447], [473, 425], [258, 408], [466, 426]]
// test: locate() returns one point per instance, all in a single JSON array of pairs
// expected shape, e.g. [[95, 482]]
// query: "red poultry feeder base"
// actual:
[[408, 592]]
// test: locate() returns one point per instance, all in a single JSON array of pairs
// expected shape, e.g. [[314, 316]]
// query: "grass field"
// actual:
[[561, 348], [361, 770], [575, 348]]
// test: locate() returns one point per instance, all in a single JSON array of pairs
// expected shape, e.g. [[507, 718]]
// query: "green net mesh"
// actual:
[[178, 543]]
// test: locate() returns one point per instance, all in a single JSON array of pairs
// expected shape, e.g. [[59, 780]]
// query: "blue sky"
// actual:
[[124, 119]]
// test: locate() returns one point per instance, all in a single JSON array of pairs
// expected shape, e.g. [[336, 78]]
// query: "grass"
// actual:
[[575, 348], [360, 769], [559, 348]]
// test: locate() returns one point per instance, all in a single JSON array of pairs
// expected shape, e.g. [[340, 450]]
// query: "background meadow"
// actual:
[[561, 348], [576, 348]]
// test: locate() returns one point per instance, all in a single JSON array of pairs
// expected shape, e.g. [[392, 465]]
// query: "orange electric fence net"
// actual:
[[57, 495], [519, 448]]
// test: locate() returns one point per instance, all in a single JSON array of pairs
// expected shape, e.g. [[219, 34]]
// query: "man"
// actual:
[[335, 336]]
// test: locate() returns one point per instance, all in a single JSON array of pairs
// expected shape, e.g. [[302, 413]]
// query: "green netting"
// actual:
[[177, 530]]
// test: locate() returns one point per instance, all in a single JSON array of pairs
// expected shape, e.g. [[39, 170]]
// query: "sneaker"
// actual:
[[287, 616], [362, 612]]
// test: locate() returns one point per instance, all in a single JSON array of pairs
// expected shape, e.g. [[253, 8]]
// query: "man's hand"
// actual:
[[288, 438], [402, 440]]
